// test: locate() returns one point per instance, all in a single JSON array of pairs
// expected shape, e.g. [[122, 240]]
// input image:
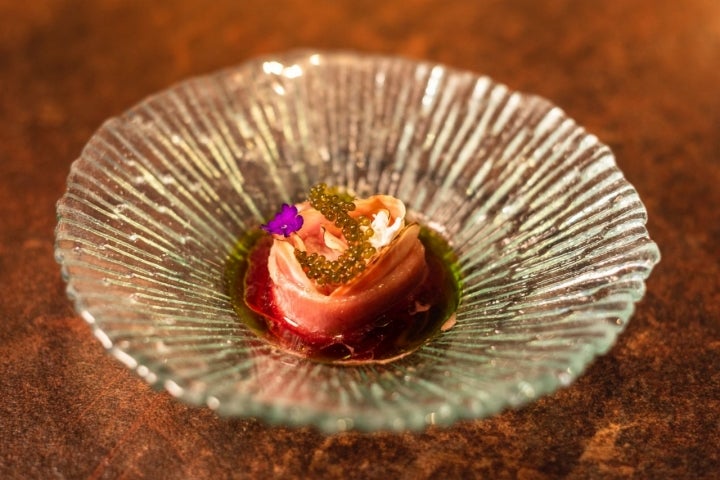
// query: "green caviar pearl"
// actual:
[[334, 206]]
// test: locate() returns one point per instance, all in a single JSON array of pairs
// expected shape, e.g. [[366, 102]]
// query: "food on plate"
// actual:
[[342, 278]]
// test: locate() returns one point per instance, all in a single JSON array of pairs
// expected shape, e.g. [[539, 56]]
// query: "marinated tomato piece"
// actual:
[[333, 277], [347, 279]]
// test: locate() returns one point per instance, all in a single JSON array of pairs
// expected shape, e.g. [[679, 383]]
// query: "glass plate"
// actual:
[[550, 236]]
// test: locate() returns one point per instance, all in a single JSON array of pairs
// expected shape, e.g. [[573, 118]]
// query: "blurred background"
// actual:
[[641, 75]]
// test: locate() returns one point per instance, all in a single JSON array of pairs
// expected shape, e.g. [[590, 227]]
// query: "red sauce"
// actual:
[[400, 329]]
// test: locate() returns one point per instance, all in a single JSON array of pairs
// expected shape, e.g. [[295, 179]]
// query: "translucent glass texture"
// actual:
[[550, 236]]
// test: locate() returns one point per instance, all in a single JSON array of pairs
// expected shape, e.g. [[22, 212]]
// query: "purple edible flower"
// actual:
[[286, 222]]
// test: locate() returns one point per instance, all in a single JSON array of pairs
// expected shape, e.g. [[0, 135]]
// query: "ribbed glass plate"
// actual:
[[551, 238]]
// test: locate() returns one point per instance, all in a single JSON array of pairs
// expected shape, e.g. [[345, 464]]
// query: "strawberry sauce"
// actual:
[[401, 328]]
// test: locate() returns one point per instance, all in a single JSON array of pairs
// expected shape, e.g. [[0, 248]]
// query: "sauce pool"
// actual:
[[400, 329]]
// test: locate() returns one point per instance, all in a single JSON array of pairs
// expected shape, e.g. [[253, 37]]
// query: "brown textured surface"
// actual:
[[642, 75]]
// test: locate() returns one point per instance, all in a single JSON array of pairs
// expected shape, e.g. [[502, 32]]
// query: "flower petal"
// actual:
[[285, 222]]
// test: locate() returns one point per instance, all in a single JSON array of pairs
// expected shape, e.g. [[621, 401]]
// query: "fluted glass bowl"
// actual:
[[551, 238]]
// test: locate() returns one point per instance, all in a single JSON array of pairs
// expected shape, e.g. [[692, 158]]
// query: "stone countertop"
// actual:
[[642, 75]]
